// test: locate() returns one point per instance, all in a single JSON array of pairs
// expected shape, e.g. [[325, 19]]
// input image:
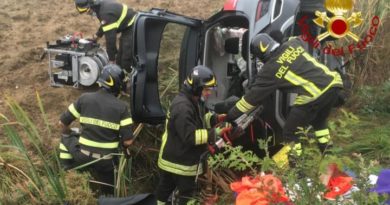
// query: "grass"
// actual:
[[369, 136], [367, 66], [48, 186], [31, 172]]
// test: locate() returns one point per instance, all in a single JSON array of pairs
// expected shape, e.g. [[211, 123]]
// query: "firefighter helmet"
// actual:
[[200, 77], [84, 6], [112, 79], [263, 45]]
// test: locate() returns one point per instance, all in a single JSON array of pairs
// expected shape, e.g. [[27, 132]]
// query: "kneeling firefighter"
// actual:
[[106, 124], [291, 68], [187, 135]]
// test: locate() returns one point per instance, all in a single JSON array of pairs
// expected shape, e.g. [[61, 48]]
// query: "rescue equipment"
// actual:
[[74, 60]]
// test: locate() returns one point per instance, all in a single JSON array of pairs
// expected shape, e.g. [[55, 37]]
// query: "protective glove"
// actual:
[[213, 119], [95, 37], [220, 118], [223, 129], [284, 155], [220, 132]]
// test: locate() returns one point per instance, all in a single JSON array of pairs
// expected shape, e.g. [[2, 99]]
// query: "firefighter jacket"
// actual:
[[104, 119], [291, 69], [185, 137], [114, 18]]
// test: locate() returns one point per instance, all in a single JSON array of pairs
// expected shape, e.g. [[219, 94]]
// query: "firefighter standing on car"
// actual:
[[291, 68], [106, 125], [114, 18], [187, 134]]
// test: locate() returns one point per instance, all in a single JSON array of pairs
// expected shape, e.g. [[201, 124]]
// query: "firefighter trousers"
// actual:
[[169, 182], [314, 113], [125, 55], [102, 171]]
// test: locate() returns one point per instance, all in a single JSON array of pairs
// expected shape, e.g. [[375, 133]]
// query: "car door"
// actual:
[[148, 31]]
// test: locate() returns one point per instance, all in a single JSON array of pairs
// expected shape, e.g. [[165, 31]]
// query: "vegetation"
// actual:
[[31, 172]]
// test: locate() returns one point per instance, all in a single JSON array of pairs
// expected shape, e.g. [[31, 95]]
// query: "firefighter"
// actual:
[[114, 18], [187, 134], [106, 125], [291, 68]]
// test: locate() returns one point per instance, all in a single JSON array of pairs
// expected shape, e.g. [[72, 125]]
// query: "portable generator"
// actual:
[[75, 61]]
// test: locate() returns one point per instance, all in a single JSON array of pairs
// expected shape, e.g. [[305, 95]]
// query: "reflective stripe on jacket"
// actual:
[[184, 139], [114, 18], [291, 69], [105, 121]]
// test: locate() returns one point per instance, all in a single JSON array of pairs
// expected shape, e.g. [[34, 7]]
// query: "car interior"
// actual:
[[226, 53]]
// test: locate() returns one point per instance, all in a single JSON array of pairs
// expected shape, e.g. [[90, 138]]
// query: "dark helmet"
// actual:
[[83, 6], [262, 46], [112, 79], [200, 77]]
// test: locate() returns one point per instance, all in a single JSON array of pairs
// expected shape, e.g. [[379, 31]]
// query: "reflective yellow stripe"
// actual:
[[104, 145], [172, 167], [298, 148], [65, 156], [160, 203], [100, 123], [336, 76], [62, 147], [132, 21], [125, 122], [201, 136], [319, 65], [73, 110], [82, 10], [324, 139], [309, 86], [299, 81], [207, 119], [212, 82], [244, 106], [303, 99], [321, 133], [323, 136], [118, 22], [179, 169]]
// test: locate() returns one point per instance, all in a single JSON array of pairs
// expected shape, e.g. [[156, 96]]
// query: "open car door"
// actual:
[[148, 32]]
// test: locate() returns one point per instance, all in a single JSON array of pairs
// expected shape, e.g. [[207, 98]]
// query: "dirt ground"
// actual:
[[26, 26]]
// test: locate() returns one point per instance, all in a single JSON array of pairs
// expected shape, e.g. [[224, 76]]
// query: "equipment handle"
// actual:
[[75, 34]]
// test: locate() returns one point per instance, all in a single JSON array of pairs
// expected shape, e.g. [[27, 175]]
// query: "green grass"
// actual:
[[369, 136], [30, 171]]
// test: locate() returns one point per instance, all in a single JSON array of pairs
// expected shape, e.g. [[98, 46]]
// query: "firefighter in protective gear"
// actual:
[[187, 134], [291, 68], [106, 124], [114, 18]]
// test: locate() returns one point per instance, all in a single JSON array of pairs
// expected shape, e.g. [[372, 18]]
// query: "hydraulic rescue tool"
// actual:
[[239, 125]]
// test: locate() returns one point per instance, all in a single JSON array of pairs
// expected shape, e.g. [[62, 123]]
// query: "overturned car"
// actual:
[[222, 44]]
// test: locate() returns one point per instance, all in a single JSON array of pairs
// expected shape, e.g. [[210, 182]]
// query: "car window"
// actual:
[[168, 61], [278, 9], [262, 8]]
